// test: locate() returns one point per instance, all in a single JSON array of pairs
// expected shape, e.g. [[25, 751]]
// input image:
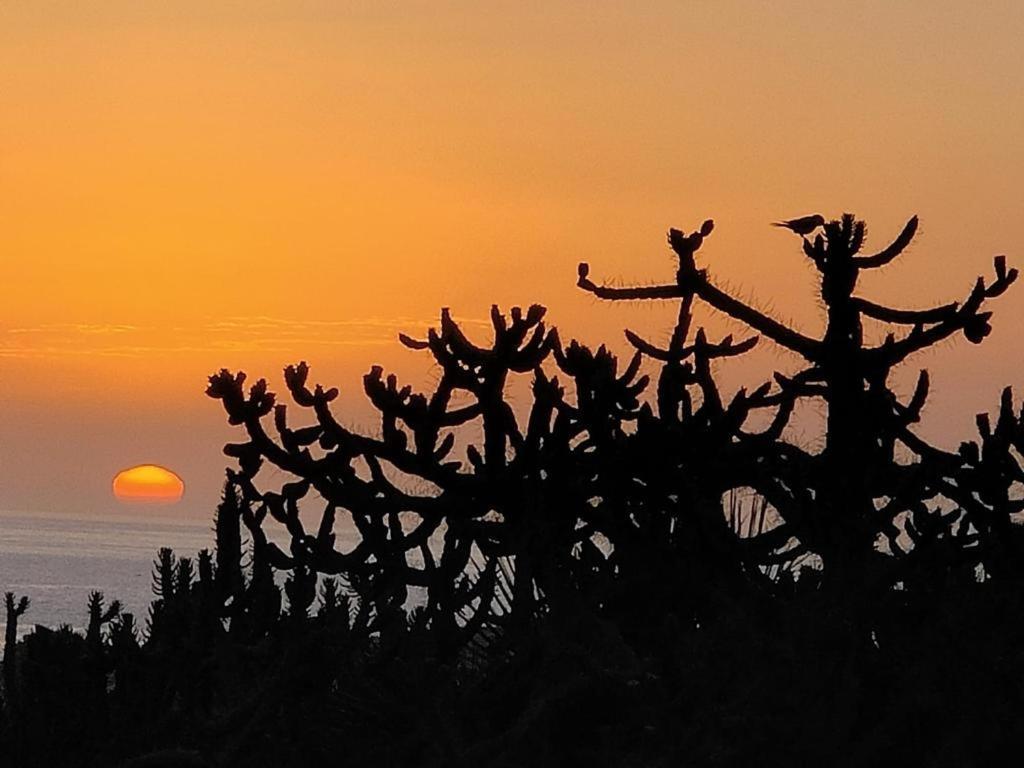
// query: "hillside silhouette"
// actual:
[[633, 568]]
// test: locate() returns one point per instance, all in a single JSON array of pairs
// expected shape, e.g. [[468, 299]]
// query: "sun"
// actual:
[[148, 483]]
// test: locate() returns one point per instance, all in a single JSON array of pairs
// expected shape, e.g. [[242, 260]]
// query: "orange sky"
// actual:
[[184, 188]]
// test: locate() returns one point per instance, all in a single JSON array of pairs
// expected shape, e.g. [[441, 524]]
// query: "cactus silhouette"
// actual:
[[831, 507], [228, 578], [98, 617], [14, 609], [417, 439], [556, 555]]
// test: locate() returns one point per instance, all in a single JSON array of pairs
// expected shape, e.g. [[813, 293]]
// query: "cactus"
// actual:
[[164, 574], [591, 541], [124, 634], [416, 439], [98, 617], [184, 576], [517, 496], [300, 587], [831, 508], [163, 613], [14, 609], [229, 579]]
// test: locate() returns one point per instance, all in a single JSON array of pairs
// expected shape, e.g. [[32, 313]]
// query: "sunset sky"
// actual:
[[186, 186]]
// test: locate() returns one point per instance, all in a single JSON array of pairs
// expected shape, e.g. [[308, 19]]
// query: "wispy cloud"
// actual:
[[89, 328], [258, 333]]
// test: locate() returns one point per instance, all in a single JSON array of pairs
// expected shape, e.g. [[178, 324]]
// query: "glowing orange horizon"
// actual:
[[148, 483], [192, 186]]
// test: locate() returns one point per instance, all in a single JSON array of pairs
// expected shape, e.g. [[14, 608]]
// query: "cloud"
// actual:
[[259, 333], [87, 328]]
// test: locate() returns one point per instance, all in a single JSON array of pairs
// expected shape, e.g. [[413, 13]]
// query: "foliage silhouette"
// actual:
[[631, 568], [13, 610]]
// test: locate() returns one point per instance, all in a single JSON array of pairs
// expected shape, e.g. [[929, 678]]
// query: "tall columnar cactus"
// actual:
[[124, 634], [229, 579], [14, 609], [163, 611], [98, 617], [164, 574], [300, 588], [184, 576]]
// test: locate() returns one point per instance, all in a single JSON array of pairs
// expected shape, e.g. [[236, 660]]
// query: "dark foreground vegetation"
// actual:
[[626, 569]]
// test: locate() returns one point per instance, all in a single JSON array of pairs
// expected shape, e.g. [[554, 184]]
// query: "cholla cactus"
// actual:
[[354, 473], [591, 486], [830, 501], [536, 494]]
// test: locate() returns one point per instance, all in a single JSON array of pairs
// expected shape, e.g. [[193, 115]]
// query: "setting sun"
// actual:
[[556, 383], [148, 483]]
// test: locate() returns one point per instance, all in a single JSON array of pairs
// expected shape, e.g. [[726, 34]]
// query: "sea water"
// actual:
[[56, 560]]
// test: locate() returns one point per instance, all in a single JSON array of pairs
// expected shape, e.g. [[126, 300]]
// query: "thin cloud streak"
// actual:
[[234, 334]]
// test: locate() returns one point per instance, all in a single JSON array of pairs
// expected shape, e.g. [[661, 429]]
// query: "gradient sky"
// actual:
[[185, 186]]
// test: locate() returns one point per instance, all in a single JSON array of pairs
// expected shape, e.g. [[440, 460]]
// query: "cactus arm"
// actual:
[[697, 283], [804, 346], [907, 316], [968, 318], [631, 294], [887, 255]]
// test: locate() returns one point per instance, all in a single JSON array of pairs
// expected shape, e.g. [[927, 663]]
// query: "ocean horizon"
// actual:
[[57, 559]]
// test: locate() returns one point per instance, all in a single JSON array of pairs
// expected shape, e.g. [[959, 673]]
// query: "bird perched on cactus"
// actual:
[[804, 225]]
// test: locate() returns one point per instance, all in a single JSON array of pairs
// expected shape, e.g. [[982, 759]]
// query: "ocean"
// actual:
[[58, 559]]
